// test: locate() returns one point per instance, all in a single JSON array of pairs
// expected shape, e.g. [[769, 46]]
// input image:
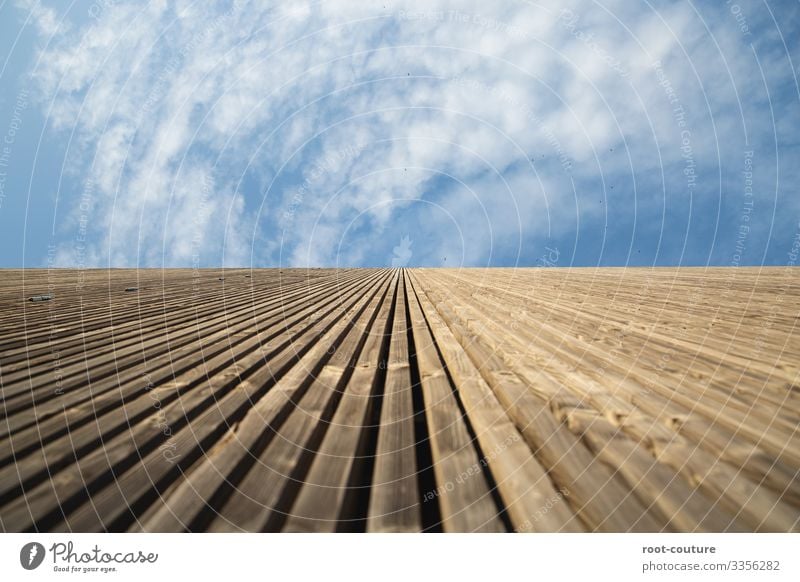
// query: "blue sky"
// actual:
[[421, 133]]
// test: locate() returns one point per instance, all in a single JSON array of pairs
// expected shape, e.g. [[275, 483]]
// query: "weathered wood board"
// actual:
[[400, 400]]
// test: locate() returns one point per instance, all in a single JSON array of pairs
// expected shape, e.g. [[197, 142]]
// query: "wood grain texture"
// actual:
[[450, 400]]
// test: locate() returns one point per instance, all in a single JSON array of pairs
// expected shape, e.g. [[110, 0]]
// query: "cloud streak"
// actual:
[[324, 133]]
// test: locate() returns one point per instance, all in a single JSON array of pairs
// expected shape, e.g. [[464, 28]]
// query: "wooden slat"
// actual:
[[168, 385], [320, 503], [597, 494], [532, 501], [463, 490], [394, 500], [189, 497], [256, 498], [212, 414], [400, 400]]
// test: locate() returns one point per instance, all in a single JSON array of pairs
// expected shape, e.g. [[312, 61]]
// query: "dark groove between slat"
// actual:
[[426, 477], [355, 505], [50, 519], [17, 455], [486, 471], [295, 480], [223, 492]]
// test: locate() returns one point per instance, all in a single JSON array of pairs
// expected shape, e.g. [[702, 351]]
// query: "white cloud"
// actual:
[[169, 98]]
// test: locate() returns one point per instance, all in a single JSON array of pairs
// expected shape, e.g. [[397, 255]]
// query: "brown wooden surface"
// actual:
[[400, 400]]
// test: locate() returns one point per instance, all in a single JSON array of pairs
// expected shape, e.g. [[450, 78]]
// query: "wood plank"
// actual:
[[594, 491], [256, 503], [531, 499], [394, 503], [196, 498], [565, 399], [211, 413], [462, 488], [320, 503]]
